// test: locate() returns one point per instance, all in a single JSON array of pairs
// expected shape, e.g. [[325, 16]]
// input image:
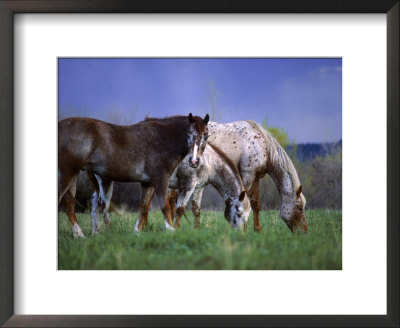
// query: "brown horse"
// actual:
[[146, 152], [214, 168]]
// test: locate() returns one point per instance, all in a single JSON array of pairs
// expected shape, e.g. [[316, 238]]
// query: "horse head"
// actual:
[[197, 138], [293, 212], [237, 210]]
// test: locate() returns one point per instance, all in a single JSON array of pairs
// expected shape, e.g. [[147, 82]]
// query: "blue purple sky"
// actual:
[[303, 96]]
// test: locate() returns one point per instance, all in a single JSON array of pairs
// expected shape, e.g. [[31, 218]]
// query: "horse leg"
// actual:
[[196, 202], [145, 201], [66, 180], [72, 186], [94, 213], [181, 202], [108, 194], [254, 196], [172, 195], [104, 197], [68, 201], [161, 188], [66, 195]]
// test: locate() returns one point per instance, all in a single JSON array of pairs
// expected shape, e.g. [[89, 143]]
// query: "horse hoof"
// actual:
[[257, 229], [95, 230], [79, 235], [77, 232], [169, 227]]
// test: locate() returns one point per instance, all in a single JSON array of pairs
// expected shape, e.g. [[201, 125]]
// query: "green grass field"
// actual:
[[215, 246]]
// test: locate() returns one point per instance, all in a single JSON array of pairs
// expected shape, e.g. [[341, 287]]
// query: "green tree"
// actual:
[[278, 133], [281, 135]]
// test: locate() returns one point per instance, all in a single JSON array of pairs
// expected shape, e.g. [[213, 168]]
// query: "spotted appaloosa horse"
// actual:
[[214, 168], [256, 152], [148, 152], [218, 170]]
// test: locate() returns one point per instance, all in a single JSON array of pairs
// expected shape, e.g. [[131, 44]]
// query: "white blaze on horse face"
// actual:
[[191, 136], [194, 158]]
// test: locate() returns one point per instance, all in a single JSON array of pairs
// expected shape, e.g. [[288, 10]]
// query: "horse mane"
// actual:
[[277, 154], [176, 120], [230, 163], [173, 123], [162, 119]]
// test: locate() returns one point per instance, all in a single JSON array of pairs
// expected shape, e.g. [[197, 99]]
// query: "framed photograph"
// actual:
[[266, 132]]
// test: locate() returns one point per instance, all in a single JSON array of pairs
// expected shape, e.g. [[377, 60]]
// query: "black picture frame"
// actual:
[[7, 201]]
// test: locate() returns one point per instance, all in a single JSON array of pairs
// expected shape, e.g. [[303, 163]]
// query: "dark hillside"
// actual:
[[307, 152]]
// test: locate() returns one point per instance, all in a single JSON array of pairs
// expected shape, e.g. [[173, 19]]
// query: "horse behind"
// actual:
[[146, 152]]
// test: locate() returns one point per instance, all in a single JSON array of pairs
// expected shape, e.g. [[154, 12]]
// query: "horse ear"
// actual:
[[241, 196], [191, 119], [298, 192], [206, 119]]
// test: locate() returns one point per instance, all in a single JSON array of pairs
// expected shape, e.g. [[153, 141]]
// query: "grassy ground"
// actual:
[[214, 246]]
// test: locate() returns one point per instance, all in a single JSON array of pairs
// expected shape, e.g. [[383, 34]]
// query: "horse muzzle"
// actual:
[[299, 228], [238, 225], [194, 163]]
